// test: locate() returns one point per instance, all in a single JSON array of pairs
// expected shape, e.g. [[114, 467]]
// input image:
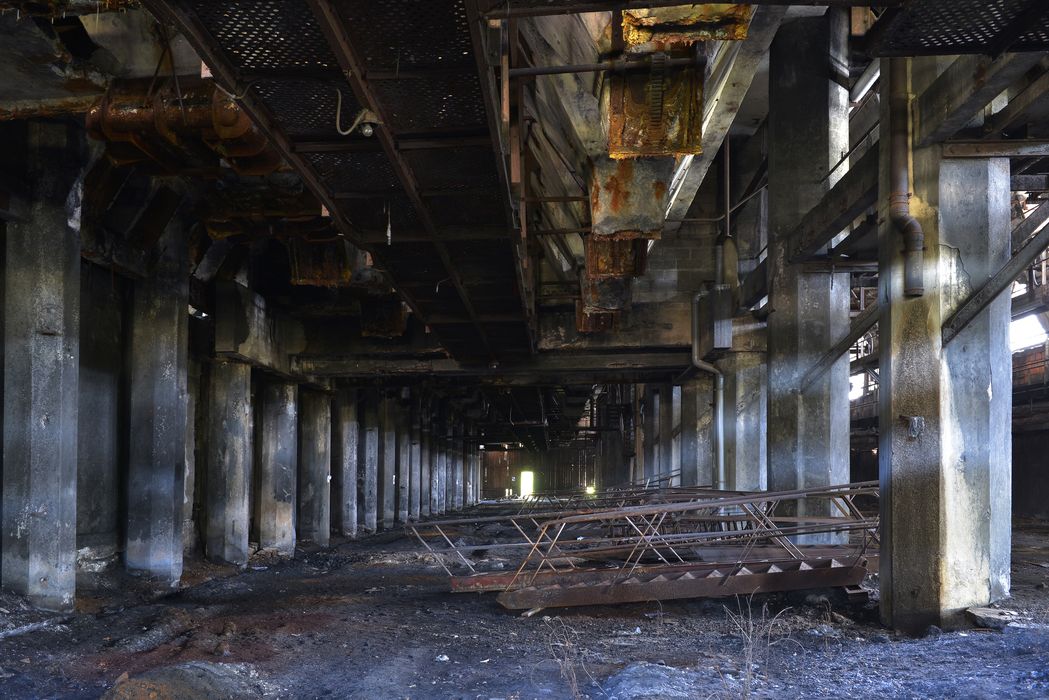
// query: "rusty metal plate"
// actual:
[[603, 295], [660, 28], [383, 317], [658, 113], [628, 197], [615, 257], [593, 321], [327, 264]]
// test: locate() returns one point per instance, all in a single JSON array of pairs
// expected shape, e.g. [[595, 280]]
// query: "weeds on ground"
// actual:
[[569, 657], [755, 632]]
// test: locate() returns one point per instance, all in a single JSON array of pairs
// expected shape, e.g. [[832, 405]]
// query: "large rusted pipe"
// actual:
[[899, 174]]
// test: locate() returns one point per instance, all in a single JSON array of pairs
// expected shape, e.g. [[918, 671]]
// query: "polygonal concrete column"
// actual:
[[345, 458], [158, 413], [945, 410], [370, 457], [388, 461], [230, 453], [808, 426], [315, 467], [277, 465], [697, 444], [41, 358]]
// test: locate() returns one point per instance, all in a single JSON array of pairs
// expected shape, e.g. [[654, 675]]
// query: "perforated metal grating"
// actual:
[[355, 172], [452, 101], [392, 34], [261, 34], [946, 27], [305, 109]]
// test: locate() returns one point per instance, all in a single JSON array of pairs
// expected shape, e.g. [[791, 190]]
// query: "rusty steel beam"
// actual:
[[500, 9], [332, 27], [696, 582]]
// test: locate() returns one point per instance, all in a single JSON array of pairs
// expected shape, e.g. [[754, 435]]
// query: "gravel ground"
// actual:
[[373, 619]]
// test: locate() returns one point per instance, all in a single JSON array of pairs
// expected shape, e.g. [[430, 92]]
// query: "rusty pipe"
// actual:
[[899, 173]]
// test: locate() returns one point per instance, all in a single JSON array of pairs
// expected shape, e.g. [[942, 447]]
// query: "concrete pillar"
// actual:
[[345, 453], [458, 465], [425, 476], [276, 465], [41, 357], [697, 432], [404, 462], [157, 417], [230, 452], [808, 427], [102, 413], [370, 461], [650, 448], [666, 431], [314, 517], [415, 466], [746, 408], [388, 461], [435, 471], [194, 414], [945, 411], [442, 473]]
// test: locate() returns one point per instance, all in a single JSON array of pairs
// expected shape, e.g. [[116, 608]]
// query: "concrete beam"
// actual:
[[729, 82], [542, 369], [248, 330]]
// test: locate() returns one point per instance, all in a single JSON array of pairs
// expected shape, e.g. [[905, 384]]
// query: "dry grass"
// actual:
[[567, 654], [755, 632]]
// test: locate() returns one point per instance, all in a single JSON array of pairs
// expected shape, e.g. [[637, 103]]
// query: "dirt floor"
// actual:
[[373, 619]]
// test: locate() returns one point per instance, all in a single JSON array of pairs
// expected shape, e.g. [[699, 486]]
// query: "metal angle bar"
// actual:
[[1016, 148], [1026, 228], [998, 283], [962, 91], [488, 92], [332, 27], [855, 192], [859, 326]]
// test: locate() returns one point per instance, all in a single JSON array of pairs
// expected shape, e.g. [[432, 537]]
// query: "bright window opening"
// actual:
[[1026, 332], [855, 387], [527, 484]]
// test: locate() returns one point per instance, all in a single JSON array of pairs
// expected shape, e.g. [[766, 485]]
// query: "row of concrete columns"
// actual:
[[358, 460], [282, 462]]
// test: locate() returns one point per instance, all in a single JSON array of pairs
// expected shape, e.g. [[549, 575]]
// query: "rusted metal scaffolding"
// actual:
[[661, 544]]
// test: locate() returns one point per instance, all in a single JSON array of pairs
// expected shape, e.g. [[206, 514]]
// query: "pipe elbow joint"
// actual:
[[913, 253]]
